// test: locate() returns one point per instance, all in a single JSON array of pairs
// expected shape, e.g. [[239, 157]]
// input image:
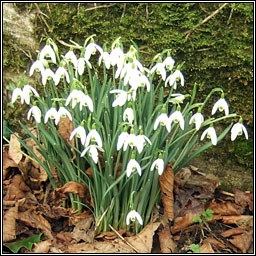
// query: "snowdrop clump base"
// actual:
[[128, 124]]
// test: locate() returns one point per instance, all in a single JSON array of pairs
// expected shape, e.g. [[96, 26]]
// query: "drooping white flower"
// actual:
[[27, 92], [221, 104], [163, 120], [93, 137], [177, 117], [142, 81], [122, 97], [141, 142], [159, 165], [238, 129], [131, 141], [36, 113], [132, 216], [80, 133], [47, 75], [128, 114], [177, 98], [71, 57], [60, 73], [169, 63], [121, 139], [52, 113], [47, 51], [106, 59], [160, 69], [117, 56], [91, 49], [198, 119], [93, 152], [173, 78], [17, 92], [132, 166], [211, 134], [37, 66], [63, 112]]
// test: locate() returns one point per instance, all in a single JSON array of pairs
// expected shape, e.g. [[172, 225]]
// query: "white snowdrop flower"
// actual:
[[131, 141], [221, 104], [52, 114], [177, 117], [160, 70], [141, 142], [173, 78], [17, 93], [93, 136], [128, 114], [169, 63], [132, 216], [238, 129], [143, 81], [177, 98], [47, 51], [198, 119], [91, 49], [116, 56], [63, 112], [37, 66], [163, 120], [80, 133], [211, 134], [121, 98], [71, 57], [35, 112], [61, 72], [47, 75], [93, 153], [122, 139], [159, 165], [132, 166], [27, 92], [85, 100], [106, 59]]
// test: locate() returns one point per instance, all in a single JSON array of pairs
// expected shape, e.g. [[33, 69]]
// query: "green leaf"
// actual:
[[27, 243], [197, 219], [195, 248]]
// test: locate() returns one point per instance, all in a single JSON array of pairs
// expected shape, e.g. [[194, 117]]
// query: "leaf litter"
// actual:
[[32, 208]]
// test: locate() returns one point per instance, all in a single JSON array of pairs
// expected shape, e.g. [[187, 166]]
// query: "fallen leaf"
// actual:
[[42, 247], [206, 248], [110, 235], [242, 241], [9, 224], [65, 237], [84, 230], [14, 153], [167, 243], [166, 181], [143, 241], [225, 208], [72, 187], [237, 219], [53, 212], [217, 243], [232, 231], [242, 198], [7, 163]]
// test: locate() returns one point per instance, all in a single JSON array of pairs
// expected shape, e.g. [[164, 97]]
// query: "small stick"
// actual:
[[116, 232]]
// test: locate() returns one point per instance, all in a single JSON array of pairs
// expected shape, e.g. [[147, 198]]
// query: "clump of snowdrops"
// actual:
[[129, 122]]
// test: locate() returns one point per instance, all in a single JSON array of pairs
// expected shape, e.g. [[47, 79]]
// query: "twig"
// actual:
[[97, 7], [68, 45], [204, 21], [116, 232], [42, 16], [123, 11]]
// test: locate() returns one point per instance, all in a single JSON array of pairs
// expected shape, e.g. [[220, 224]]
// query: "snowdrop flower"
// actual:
[[169, 63], [238, 129], [122, 139], [47, 75], [173, 78], [71, 57], [132, 166], [131, 140], [16, 94], [60, 73], [160, 70], [27, 92], [116, 56], [221, 104], [198, 119], [91, 50], [93, 136], [37, 66], [128, 114], [211, 134], [142, 81], [93, 152], [178, 98], [141, 141], [132, 215], [80, 133], [158, 164], [36, 113], [122, 97], [47, 51], [106, 58], [77, 96], [177, 117], [163, 120], [64, 112], [52, 114]]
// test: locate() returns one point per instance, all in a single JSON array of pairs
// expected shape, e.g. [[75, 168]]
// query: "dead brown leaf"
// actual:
[[143, 241], [7, 163], [42, 247], [217, 243], [53, 212], [237, 219], [36, 220], [14, 153], [166, 181], [84, 230], [73, 187], [167, 243], [225, 208], [206, 248], [242, 198], [110, 235], [232, 231], [9, 224], [242, 241]]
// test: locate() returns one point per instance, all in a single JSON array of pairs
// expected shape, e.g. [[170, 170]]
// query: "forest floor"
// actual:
[[196, 215]]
